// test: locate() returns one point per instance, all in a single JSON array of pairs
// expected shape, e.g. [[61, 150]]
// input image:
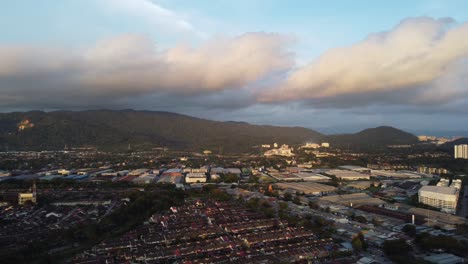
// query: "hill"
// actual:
[[115, 130], [449, 145], [373, 137]]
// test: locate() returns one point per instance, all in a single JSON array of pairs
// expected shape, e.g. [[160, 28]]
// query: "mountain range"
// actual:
[[117, 129]]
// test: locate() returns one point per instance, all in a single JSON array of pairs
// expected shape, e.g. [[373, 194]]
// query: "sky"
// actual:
[[335, 66]]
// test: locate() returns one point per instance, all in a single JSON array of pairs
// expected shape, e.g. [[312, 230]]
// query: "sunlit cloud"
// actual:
[[420, 61], [131, 65]]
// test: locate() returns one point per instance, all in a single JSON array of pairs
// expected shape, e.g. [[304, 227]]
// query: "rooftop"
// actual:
[[439, 189]]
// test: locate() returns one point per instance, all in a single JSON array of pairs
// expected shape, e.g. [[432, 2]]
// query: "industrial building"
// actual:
[[442, 197], [396, 174], [308, 188], [195, 177], [355, 169], [175, 172], [352, 200], [348, 175], [138, 172]]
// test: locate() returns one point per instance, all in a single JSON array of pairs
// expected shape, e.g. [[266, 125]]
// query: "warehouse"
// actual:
[[308, 188]]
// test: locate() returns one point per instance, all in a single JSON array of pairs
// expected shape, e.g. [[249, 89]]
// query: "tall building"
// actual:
[[461, 151]]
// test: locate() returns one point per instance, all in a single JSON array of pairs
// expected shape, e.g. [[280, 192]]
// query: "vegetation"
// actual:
[[227, 178], [397, 250], [409, 230], [104, 129], [373, 138], [359, 243], [446, 243]]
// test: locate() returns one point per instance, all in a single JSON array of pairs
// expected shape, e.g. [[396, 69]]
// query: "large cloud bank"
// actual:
[[419, 62], [131, 65]]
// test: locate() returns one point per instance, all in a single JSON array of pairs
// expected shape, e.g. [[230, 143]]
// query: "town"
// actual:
[[305, 204], [267, 131]]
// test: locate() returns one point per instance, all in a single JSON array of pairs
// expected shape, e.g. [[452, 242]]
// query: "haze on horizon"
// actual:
[[336, 66]]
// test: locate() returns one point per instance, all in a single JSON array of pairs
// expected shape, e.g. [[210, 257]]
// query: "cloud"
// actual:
[[132, 66], [151, 12], [420, 65], [420, 61]]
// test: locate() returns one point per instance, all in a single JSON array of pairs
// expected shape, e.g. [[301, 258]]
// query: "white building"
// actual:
[[325, 145], [457, 184], [461, 151], [444, 198], [64, 172], [443, 182], [311, 145], [195, 177], [284, 150], [24, 197]]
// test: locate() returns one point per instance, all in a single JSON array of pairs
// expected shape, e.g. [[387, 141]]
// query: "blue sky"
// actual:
[[80, 54]]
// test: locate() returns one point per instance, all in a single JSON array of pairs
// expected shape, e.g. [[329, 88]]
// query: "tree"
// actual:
[[396, 247], [357, 244], [313, 205], [360, 236], [360, 219], [409, 230], [296, 200], [283, 206], [376, 222]]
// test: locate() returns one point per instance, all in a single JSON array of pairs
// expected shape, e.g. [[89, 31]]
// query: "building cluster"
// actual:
[[307, 188], [176, 175], [387, 166], [25, 124], [284, 151], [377, 200], [435, 140], [22, 225], [205, 231], [310, 145], [432, 170]]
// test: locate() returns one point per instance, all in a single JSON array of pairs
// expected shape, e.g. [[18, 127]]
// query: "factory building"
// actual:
[[442, 197]]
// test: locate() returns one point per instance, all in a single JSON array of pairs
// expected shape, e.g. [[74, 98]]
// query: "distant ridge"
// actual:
[[449, 145], [373, 137], [117, 129]]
